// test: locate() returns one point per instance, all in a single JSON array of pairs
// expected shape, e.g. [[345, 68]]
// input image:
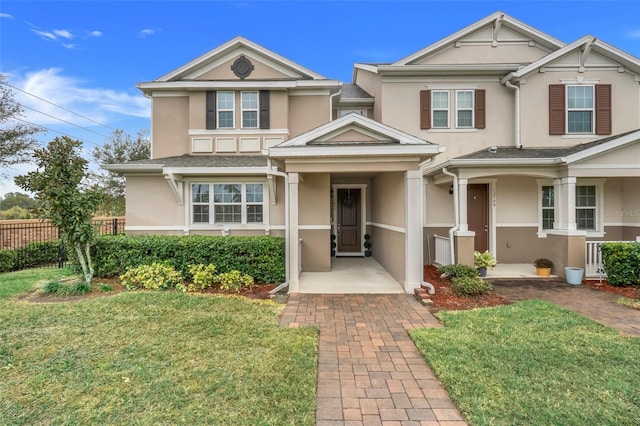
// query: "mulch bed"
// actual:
[[630, 292], [258, 292], [446, 300]]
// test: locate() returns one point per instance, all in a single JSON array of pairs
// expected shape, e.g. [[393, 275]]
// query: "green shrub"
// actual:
[[37, 254], [57, 288], [458, 270], [470, 285], [262, 257], [156, 276], [235, 281], [202, 277], [7, 260], [621, 263]]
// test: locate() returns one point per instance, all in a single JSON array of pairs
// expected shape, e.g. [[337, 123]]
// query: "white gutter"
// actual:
[[456, 212], [287, 267], [338, 93], [507, 83]]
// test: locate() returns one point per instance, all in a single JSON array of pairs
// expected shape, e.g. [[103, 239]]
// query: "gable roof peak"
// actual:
[[236, 43], [498, 19]]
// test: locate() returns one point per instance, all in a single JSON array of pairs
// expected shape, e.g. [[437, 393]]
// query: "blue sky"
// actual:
[[87, 56]]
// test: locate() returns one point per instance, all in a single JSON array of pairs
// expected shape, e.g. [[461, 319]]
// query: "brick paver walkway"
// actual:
[[598, 305], [369, 371]]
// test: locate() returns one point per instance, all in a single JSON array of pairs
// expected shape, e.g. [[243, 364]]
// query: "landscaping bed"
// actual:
[[445, 299], [629, 292]]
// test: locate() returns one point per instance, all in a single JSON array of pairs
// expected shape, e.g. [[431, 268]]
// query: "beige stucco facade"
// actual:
[[410, 172]]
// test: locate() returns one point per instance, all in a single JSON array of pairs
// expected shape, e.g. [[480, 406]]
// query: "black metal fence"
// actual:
[[37, 242]]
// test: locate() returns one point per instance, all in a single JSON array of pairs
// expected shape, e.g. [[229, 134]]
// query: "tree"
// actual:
[[16, 140], [119, 148], [59, 185], [19, 199]]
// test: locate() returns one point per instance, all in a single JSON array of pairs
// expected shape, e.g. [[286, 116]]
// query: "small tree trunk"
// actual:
[[87, 249], [83, 263]]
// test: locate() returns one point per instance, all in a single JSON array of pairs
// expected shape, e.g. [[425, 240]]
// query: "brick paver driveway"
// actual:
[[370, 372], [598, 305]]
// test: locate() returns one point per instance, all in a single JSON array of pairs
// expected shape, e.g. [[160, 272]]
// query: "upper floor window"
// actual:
[[249, 110], [436, 107], [226, 110], [221, 111], [343, 112], [580, 109]]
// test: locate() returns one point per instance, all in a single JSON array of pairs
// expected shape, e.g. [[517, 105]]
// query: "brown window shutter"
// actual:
[[425, 109], [264, 110], [603, 109], [556, 109], [480, 109], [211, 110]]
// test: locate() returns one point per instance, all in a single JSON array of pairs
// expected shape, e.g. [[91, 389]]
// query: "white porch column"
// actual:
[[294, 254], [462, 204], [564, 195], [413, 233]]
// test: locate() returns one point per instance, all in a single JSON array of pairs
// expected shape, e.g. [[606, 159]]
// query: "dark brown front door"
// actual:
[[349, 239], [478, 214]]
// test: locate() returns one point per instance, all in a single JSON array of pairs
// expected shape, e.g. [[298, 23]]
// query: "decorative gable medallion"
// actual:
[[242, 67]]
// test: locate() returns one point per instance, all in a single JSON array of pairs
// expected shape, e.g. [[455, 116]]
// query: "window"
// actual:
[[586, 218], [548, 215], [249, 101], [464, 108], [241, 203], [470, 110], [440, 108], [226, 110], [343, 112], [580, 107]]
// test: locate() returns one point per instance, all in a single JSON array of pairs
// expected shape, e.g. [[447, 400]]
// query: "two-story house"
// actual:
[[497, 137]]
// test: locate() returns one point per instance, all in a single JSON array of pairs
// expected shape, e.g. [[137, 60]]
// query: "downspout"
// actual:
[[271, 172], [456, 203], [507, 83], [338, 93]]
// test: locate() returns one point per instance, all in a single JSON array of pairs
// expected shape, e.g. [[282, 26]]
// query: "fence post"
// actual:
[[61, 255], [114, 227]]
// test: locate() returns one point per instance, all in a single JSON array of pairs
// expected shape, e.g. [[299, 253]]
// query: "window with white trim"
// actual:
[[440, 109], [580, 109], [226, 110], [343, 112], [249, 106], [586, 207], [464, 109], [227, 202], [548, 208]]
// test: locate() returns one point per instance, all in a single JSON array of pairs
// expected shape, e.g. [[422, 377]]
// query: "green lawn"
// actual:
[[151, 358], [533, 363]]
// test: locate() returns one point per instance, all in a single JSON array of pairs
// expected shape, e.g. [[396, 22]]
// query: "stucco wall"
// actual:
[[169, 124], [371, 83], [314, 210], [307, 112], [261, 71], [501, 54], [150, 202]]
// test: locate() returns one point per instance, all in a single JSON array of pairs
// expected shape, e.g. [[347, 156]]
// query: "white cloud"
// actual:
[[6, 15], [99, 104], [69, 46], [45, 34], [63, 33], [95, 33], [147, 32]]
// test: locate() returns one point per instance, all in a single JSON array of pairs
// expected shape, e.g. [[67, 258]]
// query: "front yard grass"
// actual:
[[151, 358], [534, 363]]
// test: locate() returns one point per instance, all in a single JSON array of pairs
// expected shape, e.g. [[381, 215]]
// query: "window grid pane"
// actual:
[[227, 193], [249, 102], [548, 213], [586, 207], [249, 119], [254, 213], [200, 214], [228, 213], [579, 122], [547, 196], [465, 119], [200, 193], [580, 111], [226, 109], [440, 109], [254, 193], [440, 119], [586, 219], [548, 217]]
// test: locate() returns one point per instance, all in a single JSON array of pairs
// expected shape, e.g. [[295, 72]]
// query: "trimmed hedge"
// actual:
[[30, 256], [621, 263], [261, 257]]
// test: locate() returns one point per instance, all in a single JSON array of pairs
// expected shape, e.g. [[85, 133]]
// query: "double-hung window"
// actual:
[[586, 207], [580, 109], [226, 110], [249, 101], [464, 109], [440, 108], [230, 203]]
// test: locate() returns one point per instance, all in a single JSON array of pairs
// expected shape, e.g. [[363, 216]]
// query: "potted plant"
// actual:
[[543, 266], [367, 245], [482, 261], [333, 245]]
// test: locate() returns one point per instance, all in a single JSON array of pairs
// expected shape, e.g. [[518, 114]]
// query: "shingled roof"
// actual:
[[189, 160]]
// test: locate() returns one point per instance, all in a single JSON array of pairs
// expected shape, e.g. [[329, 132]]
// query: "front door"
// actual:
[[478, 214], [349, 238]]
